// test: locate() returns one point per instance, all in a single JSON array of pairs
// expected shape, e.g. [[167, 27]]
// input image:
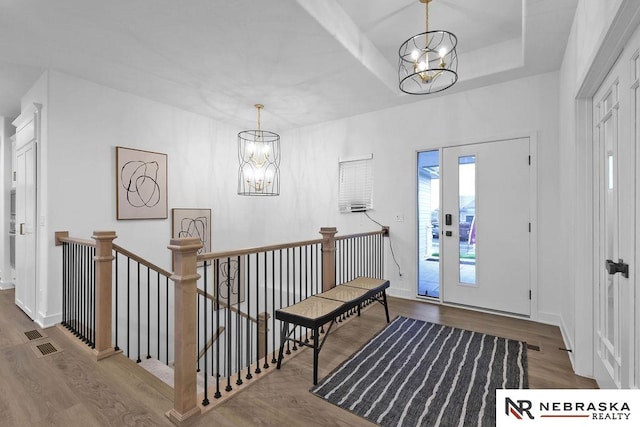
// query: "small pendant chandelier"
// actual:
[[428, 61], [259, 156]]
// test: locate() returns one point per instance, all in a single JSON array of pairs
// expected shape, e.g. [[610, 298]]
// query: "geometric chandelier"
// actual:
[[259, 157], [428, 61]]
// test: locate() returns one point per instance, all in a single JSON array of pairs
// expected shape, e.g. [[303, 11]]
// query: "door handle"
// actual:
[[617, 267], [22, 228]]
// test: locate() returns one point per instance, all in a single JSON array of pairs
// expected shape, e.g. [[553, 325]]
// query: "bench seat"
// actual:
[[320, 309]]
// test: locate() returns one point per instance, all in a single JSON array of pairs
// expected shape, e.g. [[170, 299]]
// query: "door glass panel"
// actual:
[[467, 219], [429, 223]]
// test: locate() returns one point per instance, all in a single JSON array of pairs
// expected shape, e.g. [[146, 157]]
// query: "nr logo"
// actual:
[[518, 408]]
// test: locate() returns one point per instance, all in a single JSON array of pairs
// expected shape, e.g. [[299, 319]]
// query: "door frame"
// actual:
[[533, 200], [612, 44], [31, 116]]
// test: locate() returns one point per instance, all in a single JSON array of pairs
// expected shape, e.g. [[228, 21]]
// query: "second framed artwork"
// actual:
[[192, 222]]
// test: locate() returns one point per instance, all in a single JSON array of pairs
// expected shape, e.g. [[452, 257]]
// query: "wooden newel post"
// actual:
[[104, 288], [185, 277], [263, 329], [328, 257]]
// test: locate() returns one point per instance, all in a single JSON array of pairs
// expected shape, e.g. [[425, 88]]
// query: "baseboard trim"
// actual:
[[557, 320], [6, 285], [402, 293], [48, 321]]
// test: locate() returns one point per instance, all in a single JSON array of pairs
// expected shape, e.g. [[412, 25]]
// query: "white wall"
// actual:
[[515, 108], [86, 121]]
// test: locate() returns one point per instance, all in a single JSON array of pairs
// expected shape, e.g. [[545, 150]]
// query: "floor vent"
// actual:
[[33, 335], [45, 349], [533, 347]]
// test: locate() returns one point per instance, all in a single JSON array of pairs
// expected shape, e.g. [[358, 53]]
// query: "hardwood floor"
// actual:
[[70, 388]]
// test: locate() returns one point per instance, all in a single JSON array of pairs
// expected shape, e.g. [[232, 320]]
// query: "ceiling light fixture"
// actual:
[[428, 61], [259, 156]]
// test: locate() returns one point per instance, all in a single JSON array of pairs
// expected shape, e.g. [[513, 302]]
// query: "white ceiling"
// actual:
[[308, 61]]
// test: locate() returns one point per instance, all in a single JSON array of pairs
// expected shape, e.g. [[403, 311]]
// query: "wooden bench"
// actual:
[[320, 309]]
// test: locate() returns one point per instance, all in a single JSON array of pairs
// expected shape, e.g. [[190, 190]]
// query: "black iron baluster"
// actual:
[[158, 312], [229, 334], [148, 313], [216, 276], [73, 286], [273, 306], [293, 275], [138, 360], [166, 320], [64, 284], [213, 330], [128, 306], [382, 257], [82, 300], [93, 300], [117, 281], [198, 330], [85, 294], [342, 262], [266, 304], [205, 401], [306, 290], [288, 293], [258, 370], [238, 326], [247, 272], [239, 348]]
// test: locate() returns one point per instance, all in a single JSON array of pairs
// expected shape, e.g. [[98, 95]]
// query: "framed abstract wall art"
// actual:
[[192, 223], [141, 184]]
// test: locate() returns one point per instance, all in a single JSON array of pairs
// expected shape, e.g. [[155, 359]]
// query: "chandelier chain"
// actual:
[[426, 18], [259, 107]]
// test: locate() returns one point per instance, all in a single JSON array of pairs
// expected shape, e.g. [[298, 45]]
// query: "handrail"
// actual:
[[369, 233], [77, 241], [210, 342], [142, 261], [248, 251], [224, 304]]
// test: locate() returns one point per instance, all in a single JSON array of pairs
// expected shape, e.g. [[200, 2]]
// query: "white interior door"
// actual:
[[485, 225], [615, 135], [25, 283]]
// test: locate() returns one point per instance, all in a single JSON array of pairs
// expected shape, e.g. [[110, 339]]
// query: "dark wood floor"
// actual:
[[69, 388]]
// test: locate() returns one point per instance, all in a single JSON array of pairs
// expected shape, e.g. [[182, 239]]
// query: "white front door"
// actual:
[[485, 225], [25, 283], [615, 136]]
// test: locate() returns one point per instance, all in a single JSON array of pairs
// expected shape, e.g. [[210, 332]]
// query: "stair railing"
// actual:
[[224, 317], [241, 290]]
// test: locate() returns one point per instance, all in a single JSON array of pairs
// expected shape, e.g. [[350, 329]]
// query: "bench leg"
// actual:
[[283, 340], [386, 308], [315, 356]]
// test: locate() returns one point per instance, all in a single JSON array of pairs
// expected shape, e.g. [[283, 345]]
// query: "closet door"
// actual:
[[26, 225]]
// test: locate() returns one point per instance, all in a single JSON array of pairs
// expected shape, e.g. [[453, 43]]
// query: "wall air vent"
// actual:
[[358, 207]]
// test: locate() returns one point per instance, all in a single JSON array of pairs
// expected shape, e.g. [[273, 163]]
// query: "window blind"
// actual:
[[356, 184]]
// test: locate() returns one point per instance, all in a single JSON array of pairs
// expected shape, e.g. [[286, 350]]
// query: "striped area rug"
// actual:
[[416, 373]]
